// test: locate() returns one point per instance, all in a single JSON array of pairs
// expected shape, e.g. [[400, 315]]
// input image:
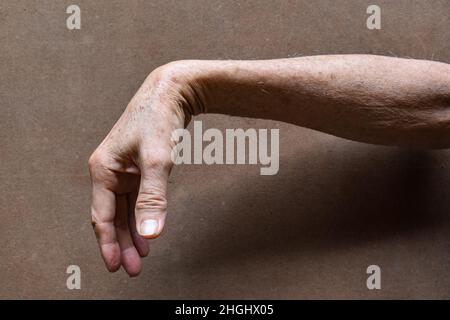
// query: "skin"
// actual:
[[373, 99]]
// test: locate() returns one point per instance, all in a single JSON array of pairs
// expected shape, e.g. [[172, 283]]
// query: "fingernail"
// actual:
[[149, 227]]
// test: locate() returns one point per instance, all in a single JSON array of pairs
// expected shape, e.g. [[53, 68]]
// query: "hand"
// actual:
[[130, 168]]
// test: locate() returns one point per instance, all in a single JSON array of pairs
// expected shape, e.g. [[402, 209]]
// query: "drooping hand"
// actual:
[[130, 168]]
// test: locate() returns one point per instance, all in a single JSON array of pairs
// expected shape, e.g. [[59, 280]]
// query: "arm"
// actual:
[[372, 99]]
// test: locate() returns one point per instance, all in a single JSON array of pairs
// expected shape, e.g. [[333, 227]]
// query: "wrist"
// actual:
[[200, 86], [182, 83]]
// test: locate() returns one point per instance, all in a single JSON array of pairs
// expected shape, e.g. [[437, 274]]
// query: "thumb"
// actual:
[[151, 203]]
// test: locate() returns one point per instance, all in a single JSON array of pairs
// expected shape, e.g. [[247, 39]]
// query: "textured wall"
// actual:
[[309, 232]]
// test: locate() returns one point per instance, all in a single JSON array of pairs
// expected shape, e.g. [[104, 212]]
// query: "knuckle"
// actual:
[[94, 160], [95, 225], [97, 163], [151, 201], [157, 159], [172, 72]]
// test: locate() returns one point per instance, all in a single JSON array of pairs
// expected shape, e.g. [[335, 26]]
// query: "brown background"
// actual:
[[309, 232]]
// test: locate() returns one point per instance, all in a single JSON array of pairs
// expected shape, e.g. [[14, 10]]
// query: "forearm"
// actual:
[[366, 98]]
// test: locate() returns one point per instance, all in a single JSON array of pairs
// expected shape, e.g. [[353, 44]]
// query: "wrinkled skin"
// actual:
[[365, 98]]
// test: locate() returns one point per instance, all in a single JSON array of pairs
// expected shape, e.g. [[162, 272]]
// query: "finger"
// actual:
[[151, 203], [130, 259], [140, 243], [103, 211]]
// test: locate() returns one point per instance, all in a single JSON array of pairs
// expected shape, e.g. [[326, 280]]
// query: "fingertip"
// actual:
[[141, 245], [149, 237], [112, 268], [131, 262], [150, 228], [111, 256], [132, 274]]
